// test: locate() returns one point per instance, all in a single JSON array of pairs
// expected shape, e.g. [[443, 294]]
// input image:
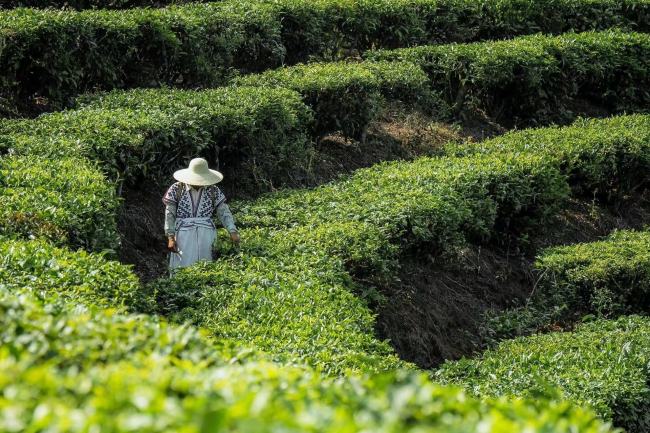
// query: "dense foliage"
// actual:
[[78, 368], [260, 134], [604, 279], [534, 78], [90, 4], [74, 277], [299, 291], [49, 56], [602, 157], [345, 96], [603, 364], [607, 278], [67, 201], [303, 246]]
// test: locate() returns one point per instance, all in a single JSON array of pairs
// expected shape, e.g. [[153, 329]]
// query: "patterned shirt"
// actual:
[[182, 201]]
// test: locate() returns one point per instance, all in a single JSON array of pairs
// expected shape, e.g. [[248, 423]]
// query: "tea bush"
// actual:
[[607, 278], [90, 4], [344, 96], [358, 227], [151, 397], [67, 201], [73, 277], [46, 327], [536, 78], [74, 367], [289, 291], [50, 56], [603, 364], [606, 157], [260, 132]]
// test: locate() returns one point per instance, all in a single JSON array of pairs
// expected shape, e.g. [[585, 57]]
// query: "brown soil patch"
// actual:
[[434, 309]]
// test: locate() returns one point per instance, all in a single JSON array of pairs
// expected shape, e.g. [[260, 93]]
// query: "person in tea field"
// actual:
[[190, 205]]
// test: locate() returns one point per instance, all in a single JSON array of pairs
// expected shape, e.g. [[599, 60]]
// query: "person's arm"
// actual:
[[170, 225], [170, 219], [227, 220]]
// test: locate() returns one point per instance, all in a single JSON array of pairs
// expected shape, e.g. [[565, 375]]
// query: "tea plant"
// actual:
[[603, 364]]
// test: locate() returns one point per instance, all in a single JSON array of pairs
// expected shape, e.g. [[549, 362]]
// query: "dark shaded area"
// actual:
[[434, 309]]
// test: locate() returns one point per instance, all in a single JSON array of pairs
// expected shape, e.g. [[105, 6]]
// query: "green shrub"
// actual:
[[289, 291], [262, 397], [331, 26], [577, 282], [73, 369], [607, 157], [66, 201], [345, 95], [90, 4], [257, 134], [74, 277], [50, 56], [47, 328], [536, 78], [603, 364], [359, 225], [607, 278]]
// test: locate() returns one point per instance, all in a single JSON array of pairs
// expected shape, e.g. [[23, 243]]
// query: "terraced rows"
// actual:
[[48, 56], [75, 356]]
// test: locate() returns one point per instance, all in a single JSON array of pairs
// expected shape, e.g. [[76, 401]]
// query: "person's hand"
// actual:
[[171, 244], [234, 237]]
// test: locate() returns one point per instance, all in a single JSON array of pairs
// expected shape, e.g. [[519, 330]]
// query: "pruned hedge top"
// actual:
[[603, 364], [50, 56], [536, 78]]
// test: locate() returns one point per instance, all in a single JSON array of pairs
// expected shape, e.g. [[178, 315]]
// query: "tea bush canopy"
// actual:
[[603, 364], [279, 334], [49, 56]]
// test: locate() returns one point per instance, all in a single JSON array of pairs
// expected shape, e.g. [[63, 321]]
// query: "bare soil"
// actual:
[[434, 309]]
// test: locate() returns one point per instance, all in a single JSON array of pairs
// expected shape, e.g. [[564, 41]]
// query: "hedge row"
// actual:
[[603, 279], [67, 201], [258, 136], [344, 95], [50, 56], [78, 368], [603, 156], [302, 247], [146, 132], [89, 4], [38, 267], [603, 364], [45, 328], [607, 278], [536, 78]]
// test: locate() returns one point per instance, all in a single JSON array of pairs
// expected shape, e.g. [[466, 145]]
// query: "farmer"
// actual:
[[189, 206]]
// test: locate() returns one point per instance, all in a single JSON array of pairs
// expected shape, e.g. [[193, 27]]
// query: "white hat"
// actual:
[[198, 174]]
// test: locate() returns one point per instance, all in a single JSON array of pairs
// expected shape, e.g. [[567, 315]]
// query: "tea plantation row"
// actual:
[[289, 291], [76, 369], [48, 56], [603, 365], [265, 135], [603, 279]]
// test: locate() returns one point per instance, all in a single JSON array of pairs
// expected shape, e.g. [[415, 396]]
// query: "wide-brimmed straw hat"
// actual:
[[198, 174]]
